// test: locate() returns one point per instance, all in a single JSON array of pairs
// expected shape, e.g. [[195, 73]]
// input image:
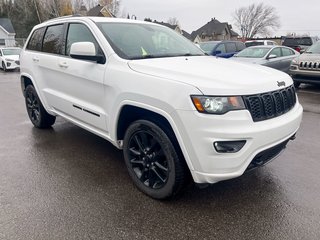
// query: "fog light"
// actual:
[[8, 64], [229, 146]]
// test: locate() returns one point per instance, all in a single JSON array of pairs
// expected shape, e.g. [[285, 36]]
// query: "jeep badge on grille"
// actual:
[[281, 84]]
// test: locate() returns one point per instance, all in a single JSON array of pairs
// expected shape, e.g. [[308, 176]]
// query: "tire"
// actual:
[[4, 67], [296, 84], [152, 161], [36, 112]]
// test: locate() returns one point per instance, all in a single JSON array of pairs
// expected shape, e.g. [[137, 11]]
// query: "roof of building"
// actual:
[[7, 25], [97, 11], [166, 24], [214, 26]]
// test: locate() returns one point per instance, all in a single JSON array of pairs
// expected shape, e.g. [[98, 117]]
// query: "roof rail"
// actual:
[[67, 16]]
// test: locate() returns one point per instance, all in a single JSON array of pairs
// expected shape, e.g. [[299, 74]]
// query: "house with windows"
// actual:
[[100, 11], [177, 28], [7, 33], [215, 31]]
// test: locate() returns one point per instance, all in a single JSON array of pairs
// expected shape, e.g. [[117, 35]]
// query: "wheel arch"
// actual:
[[129, 113]]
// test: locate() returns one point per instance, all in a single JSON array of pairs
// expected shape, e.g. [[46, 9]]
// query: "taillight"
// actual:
[[298, 49]]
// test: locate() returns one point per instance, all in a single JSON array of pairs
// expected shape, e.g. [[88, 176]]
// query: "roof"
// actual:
[[7, 25], [187, 35], [166, 24], [214, 26]]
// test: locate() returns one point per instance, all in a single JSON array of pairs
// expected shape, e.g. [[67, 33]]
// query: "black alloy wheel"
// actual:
[[152, 161], [33, 106], [39, 117], [148, 160]]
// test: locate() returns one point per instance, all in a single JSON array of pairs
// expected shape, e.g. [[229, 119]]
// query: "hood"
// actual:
[[309, 57], [248, 60], [213, 76], [12, 57]]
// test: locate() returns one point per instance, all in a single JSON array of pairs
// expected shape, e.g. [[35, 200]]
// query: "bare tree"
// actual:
[[256, 19], [173, 21]]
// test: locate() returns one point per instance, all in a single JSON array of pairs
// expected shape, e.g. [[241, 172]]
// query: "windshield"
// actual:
[[297, 41], [256, 52], [207, 47], [315, 48], [139, 41], [7, 52], [250, 44]]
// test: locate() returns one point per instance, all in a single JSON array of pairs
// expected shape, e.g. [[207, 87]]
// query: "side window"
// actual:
[[80, 33], [221, 48], [276, 51], [287, 52], [231, 47], [53, 40], [35, 42], [240, 46], [270, 43]]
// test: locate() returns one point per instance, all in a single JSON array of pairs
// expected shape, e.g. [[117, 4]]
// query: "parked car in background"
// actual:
[[306, 67], [224, 49], [300, 44], [277, 57], [252, 43], [9, 58]]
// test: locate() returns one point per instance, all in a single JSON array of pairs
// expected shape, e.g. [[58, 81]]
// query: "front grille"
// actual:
[[315, 66], [272, 104]]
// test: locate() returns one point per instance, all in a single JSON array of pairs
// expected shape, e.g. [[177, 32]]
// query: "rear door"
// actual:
[[287, 56]]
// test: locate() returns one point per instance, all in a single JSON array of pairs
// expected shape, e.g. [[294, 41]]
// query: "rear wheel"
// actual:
[[36, 112], [152, 160]]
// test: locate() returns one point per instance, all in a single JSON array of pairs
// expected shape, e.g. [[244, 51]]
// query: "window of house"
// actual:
[[53, 40], [35, 42], [2, 42]]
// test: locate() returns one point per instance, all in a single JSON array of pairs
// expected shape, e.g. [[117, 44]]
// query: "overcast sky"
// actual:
[[295, 16]]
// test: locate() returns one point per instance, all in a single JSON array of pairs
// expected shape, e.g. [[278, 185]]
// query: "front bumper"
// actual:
[[304, 76], [12, 65], [200, 131]]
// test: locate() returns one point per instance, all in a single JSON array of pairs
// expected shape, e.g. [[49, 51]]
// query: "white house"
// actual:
[[7, 33]]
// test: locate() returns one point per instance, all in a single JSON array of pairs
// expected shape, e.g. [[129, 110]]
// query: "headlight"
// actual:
[[217, 105], [9, 60]]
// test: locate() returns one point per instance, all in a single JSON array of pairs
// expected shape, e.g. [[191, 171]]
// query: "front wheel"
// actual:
[[152, 160], [39, 117], [4, 67]]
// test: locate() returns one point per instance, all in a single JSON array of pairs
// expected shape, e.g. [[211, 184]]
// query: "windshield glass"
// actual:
[[139, 41], [207, 47], [297, 41], [315, 48], [250, 44], [8, 52], [257, 52]]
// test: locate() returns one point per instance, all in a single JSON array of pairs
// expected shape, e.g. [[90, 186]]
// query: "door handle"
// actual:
[[36, 59], [63, 64]]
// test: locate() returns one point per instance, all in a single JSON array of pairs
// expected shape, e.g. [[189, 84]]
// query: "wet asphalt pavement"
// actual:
[[66, 183]]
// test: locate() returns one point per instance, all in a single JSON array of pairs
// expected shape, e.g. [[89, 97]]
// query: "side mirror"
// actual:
[[272, 56], [86, 51]]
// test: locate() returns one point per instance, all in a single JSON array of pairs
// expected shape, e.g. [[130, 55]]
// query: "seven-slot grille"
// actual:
[[272, 104], [310, 66]]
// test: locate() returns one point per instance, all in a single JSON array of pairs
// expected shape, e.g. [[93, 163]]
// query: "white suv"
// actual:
[[154, 94]]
